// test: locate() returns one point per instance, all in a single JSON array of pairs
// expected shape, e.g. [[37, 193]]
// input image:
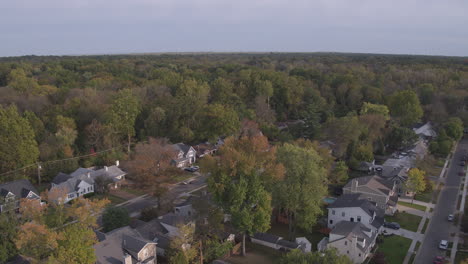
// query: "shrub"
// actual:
[[115, 217]]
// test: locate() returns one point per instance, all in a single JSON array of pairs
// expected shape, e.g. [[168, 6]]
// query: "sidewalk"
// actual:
[[460, 212], [413, 211], [406, 200]]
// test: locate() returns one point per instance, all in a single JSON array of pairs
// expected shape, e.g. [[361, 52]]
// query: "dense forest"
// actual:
[[55, 108]]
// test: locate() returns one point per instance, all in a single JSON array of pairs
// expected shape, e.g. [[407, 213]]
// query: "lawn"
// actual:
[[460, 257], [425, 226], [256, 254], [113, 199], [133, 191], [406, 221], [394, 248], [412, 205], [424, 197]]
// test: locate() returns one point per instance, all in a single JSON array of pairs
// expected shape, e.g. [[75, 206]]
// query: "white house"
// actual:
[[353, 240], [355, 208], [185, 155], [12, 192]]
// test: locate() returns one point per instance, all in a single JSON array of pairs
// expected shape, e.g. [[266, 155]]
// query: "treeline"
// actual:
[[61, 107]]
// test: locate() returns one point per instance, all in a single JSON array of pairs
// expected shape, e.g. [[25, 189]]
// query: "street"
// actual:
[[440, 228]]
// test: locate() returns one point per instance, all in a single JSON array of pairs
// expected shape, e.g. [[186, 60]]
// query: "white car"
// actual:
[[450, 217], [443, 244]]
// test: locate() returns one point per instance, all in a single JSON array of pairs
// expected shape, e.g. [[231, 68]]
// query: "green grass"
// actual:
[[423, 230], [256, 254], [418, 244], [134, 191], [460, 257], [424, 197], [395, 249], [411, 260], [406, 221], [414, 206]]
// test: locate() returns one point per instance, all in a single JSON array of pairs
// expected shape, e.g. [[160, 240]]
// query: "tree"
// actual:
[[239, 180], [416, 182], [75, 245], [218, 120], [8, 235], [115, 217], [32, 210], [149, 213], [101, 184], [36, 240], [18, 80], [19, 147], [122, 114], [339, 174], [184, 243], [454, 128], [301, 191], [342, 131], [375, 109], [400, 137], [404, 105], [214, 249], [329, 256]]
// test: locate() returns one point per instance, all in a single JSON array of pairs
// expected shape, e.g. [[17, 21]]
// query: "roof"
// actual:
[[346, 228], [374, 182], [133, 244], [173, 219], [181, 147], [61, 177], [425, 130], [399, 163], [20, 188], [267, 237], [353, 200], [71, 184], [288, 244]]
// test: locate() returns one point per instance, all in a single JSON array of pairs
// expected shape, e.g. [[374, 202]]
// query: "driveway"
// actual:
[[439, 228], [404, 233]]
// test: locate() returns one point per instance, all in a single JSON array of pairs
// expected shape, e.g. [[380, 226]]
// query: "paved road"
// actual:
[[135, 206], [440, 228]]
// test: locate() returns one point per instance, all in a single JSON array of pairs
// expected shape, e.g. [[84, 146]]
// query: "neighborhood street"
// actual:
[[440, 228]]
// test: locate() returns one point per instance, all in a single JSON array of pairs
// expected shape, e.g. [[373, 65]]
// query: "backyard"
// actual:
[[406, 221], [413, 205], [282, 230], [394, 248], [256, 254]]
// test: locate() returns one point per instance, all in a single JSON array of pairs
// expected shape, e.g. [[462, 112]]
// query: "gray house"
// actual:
[[374, 189], [185, 155], [12, 192]]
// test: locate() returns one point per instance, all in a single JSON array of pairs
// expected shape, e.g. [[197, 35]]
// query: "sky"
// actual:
[[79, 27]]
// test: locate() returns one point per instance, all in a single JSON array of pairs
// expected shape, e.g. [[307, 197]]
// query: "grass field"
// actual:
[[414, 206], [256, 254], [461, 256], [406, 221], [395, 249]]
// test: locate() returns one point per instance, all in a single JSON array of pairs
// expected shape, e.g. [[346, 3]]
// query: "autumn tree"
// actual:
[[37, 241], [122, 114], [240, 179], [301, 191], [416, 182], [19, 147]]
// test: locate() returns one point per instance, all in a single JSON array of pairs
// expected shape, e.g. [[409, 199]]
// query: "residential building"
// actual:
[[205, 149], [275, 242], [355, 208], [352, 239], [82, 181], [185, 155], [425, 131], [374, 189], [125, 245], [12, 192]]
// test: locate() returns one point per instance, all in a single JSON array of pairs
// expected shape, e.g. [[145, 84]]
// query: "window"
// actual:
[[343, 214], [333, 212], [71, 195], [359, 254], [346, 243], [331, 222], [359, 218], [351, 219], [347, 251]]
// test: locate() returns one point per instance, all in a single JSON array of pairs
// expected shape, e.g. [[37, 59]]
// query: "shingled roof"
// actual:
[[19, 188]]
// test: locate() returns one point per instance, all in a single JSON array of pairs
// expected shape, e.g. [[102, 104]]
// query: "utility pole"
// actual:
[[39, 167]]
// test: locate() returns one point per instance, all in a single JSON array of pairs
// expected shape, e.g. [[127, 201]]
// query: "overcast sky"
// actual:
[[63, 27]]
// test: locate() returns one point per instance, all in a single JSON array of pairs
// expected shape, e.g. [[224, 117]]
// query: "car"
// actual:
[[439, 260], [192, 169], [392, 225], [379, 169], [443, 244], [450, 217], [462, 163]]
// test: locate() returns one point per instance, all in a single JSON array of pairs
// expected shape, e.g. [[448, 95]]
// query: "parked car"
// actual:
[[385, 233], [439, 260], [463, 163], [450, 217], [392, 225], [443, 244], [192, 169]]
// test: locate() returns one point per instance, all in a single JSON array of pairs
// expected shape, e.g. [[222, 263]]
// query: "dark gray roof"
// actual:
[[354, 200], [100, 236], [162, 241], [288, 244], [346, 228], [20, 188], [181, 147], [61, 177], [133, 244], [173, 219], [151, 229], [267, 237]]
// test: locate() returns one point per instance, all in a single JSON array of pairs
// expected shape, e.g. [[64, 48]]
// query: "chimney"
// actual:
[[117, 163], [88, 174], [127, 258], [355, 185], [106, 168]]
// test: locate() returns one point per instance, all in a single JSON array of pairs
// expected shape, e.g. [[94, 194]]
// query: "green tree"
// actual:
[[416, 182], [301, 191], [375, 109], [400, 137], [8, 235], [75, 245], [214, 249], [36, 124], [115, 217], [339, 174], [329, 256], [19, 147], [454, 128], [218, 120], [405, 106], [18, 80], [122, 114]]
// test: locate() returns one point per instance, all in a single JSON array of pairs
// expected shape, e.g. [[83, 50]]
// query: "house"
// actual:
[[425, 131], [82, 181], [355, 208], [374, 189], [185, 155], [352, 239], [125, 246], [205, 149], [12, 192], [366, 166]]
